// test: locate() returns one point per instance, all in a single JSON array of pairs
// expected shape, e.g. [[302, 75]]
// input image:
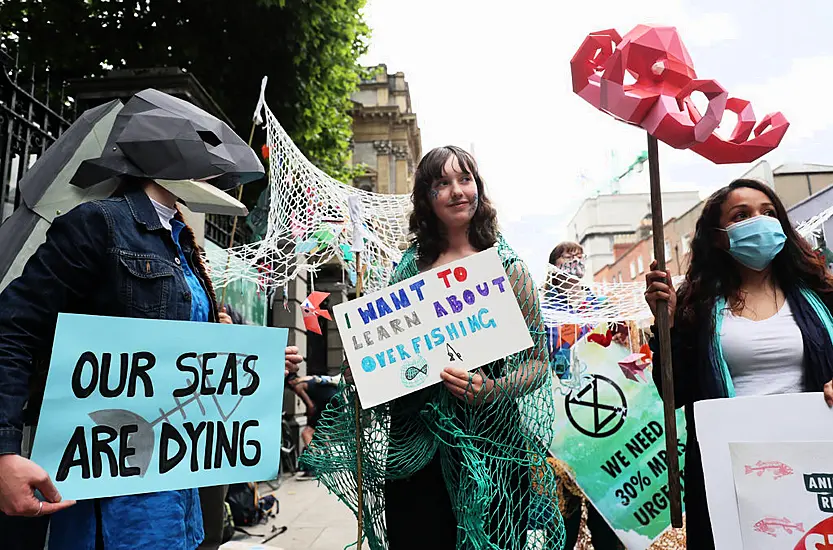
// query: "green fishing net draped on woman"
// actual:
[[461, 464]]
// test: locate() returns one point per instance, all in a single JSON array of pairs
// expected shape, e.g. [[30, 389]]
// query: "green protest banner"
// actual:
[[244, 295], [609, 431]]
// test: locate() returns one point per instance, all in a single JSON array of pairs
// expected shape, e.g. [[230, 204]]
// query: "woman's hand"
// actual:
[[828, 394], [471, 387], [660, 288], [293, 359], [224, 317]]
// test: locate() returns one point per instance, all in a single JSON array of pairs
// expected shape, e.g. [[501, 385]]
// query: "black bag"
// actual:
[[228, 523], [243, 501]]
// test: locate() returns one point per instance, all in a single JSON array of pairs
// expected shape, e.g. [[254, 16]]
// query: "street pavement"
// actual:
[[315, 520]]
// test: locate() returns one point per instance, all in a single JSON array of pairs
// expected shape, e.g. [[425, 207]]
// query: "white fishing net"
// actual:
[[567, 300], [813, 228], [309, 223]]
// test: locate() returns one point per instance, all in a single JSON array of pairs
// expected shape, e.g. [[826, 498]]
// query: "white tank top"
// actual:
[[764, 357]]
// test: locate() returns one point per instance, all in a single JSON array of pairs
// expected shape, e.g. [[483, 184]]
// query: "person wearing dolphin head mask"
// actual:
[[131, 255]]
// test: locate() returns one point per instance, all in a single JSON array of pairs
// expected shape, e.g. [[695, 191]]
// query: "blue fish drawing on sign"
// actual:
[[414, 372]]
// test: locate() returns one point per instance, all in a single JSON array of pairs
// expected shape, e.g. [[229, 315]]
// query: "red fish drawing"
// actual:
[[778, 469], [770, 526]]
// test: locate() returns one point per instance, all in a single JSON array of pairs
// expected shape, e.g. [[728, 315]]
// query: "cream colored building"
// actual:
[[606, 223], [386, 137], [805, 189]]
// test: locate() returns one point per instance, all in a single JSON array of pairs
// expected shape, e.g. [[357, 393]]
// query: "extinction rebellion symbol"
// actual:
[[597, 409]]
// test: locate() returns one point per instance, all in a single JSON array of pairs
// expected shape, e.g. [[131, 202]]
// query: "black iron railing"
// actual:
[[218, 230], [33, 114]]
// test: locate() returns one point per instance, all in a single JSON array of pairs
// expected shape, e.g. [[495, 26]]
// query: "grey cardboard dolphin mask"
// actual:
[[160, 137]]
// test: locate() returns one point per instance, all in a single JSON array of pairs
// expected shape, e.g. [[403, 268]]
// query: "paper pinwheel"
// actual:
[[312, 311], [634, 365]]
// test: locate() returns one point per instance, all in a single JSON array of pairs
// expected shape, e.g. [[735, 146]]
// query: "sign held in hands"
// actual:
[[464, 314], [138, 405]]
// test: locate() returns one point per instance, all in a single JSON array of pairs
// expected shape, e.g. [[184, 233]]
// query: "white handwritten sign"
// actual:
[[464, 314]]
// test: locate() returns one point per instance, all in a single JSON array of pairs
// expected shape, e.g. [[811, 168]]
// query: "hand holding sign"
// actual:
[[400, 339], [19, 478], [470, 387], [136, 405]]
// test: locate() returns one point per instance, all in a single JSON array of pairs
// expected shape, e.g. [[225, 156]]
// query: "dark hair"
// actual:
[[713, 273], [426, 231], [567, 247]]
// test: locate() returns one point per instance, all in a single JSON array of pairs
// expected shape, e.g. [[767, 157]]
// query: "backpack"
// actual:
[[228, 523], [243, 501]]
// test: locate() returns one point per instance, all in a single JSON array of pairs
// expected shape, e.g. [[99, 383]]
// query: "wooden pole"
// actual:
[[358, 414], [664, 336], [234, 230]]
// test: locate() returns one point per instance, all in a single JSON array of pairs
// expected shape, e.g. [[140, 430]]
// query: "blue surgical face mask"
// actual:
[[755, 242]]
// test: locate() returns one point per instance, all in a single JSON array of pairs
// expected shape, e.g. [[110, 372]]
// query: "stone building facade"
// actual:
[[386, 136]]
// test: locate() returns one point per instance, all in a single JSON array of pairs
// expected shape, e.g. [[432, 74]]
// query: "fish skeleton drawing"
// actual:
[[770, 525], [778, 469]]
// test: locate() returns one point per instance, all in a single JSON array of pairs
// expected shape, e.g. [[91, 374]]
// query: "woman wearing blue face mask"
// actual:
[[748, 320]]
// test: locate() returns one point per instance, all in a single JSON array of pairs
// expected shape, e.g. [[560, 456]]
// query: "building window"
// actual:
[[620, 277], [640, 265], [686, 244], [633, 271], [667, 250]]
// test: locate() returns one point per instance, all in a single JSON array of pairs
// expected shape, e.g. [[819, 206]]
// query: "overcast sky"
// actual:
[[494, 75]]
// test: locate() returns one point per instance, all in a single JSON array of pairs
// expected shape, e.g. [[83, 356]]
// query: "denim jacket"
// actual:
[[110, 257]]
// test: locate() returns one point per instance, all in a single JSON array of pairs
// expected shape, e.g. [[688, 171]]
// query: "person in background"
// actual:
[[316, 392], [565, 293], [749, 319]]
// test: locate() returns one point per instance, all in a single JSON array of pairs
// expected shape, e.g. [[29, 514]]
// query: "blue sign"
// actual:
[[137, 405]]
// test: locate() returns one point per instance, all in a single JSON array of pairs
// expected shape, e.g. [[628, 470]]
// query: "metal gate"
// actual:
[[28, 125]]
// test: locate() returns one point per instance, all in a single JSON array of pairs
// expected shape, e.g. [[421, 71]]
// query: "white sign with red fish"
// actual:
[[768, 467], [784, 493]]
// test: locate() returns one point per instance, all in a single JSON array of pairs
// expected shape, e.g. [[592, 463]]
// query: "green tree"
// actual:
[[308, 48]]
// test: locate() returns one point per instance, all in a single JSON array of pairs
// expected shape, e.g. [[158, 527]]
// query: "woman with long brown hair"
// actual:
[[458, 464], [748, 320]]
